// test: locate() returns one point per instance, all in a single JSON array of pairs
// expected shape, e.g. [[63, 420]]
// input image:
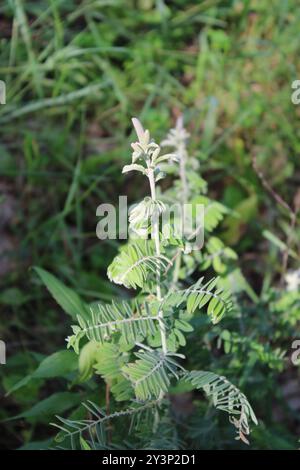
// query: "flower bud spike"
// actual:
[[138, 128]]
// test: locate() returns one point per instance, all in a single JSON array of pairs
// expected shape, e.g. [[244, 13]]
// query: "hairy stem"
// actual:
[[182, 171], [155, 233]]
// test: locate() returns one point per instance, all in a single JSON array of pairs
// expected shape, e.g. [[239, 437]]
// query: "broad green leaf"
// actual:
[[58, 364], [69, 300], [45, 409]]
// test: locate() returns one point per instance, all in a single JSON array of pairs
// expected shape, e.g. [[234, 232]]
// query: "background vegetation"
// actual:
[[76, 71]]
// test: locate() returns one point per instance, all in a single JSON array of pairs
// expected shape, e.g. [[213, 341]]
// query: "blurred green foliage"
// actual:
[[75, 72]]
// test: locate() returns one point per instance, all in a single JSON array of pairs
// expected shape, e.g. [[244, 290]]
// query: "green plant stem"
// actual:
[[155, 232]]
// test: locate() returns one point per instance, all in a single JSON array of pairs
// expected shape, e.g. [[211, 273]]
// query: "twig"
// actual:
[[291, 212], [107, 407]]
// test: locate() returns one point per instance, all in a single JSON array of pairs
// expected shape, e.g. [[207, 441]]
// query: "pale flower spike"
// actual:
[[177, 136], [138, 128], [148, 152]]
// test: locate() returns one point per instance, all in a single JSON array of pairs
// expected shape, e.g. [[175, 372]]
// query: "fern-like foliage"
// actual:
[[202, 294], [226, 397], [141, 215], [150, 374], [109, 363], [216, 255], [134, 264], [132, 321], [214, 212], [133, 345], [92, 432]]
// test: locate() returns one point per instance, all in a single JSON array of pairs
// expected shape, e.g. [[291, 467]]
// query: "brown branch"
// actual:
[[269, 188], [285, 256], [107, 403], [291, 212]]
